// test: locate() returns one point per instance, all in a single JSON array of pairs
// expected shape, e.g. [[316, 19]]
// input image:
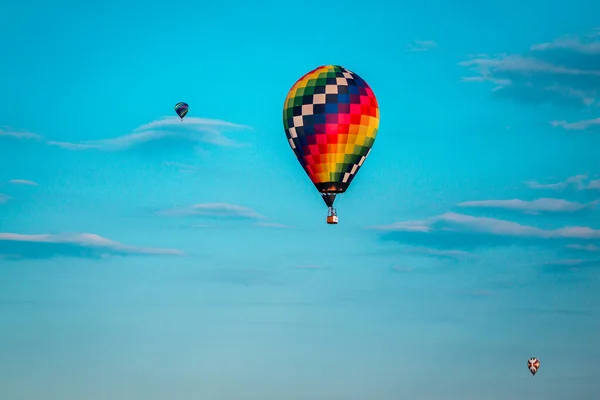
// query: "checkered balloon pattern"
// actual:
[[331, 119]]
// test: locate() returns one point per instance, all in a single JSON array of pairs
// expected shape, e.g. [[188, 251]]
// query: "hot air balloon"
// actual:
[[331, 117], [182, 109], [533, 364]]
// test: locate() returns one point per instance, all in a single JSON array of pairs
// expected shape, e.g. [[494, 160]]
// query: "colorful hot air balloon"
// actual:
[[331, 117], [182, 109], [533, 364]]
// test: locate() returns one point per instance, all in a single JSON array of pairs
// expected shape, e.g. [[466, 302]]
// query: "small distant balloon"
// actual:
[[181, 109], [533, 364]]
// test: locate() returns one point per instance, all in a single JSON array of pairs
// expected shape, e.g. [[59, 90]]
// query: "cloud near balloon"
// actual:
[[222, 211], [457, 233], [160, 133]]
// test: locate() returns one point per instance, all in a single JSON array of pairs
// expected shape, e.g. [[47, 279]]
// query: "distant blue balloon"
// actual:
[[182, 109]]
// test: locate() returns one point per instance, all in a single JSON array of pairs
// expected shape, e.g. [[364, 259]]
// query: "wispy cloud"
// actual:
[[584, 247], [181, 166], [71, 245], [215, 210], [594, 185], [22, 182], [585, 45], [460, 223], [567, 261], [19, 134], [4, 198], [571, 264], [579, 125], [273, 225], [422, 45], [485, 64], [565, 71], [190, 130], [534, 206], [453, 254], [576, 182], [73, 146]]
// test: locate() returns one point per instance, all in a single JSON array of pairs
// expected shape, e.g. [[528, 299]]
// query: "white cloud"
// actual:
[[169, 122], [567, 261], [22, 182], [575, 43], [584, 247], [545, 204], [190, 129], [544, 75], [181, 166], [460, 223], [576, 181], [72, 146], [272, 225], [572, 93], [89, 241], [19, 134], [516, 63], [422, 45], [594, 185], [225, 210], [499, 82], [577, 126], [456, 254]]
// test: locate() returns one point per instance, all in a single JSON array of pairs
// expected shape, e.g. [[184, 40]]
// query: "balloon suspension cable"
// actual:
[[328, 198]]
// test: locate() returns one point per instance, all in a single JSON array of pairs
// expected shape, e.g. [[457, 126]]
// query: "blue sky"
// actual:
[[142, 257]]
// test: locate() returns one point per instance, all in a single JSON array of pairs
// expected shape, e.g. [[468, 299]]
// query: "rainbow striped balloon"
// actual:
[[331, 117]]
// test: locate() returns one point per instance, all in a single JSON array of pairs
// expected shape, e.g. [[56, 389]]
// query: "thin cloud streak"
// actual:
[[577, 126], [23, 182], [589, 247], [15, 134], [534, 206], [573, 181], [422, 45], [224, 210], [273, 225], [563, 71], [574, 43], [465, 223], [452, 254], [195, 130], [89, 241]]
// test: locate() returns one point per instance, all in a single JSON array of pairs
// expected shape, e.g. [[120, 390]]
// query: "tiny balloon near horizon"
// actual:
[[533, 364]]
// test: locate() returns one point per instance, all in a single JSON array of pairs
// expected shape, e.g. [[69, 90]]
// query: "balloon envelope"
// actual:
[[533, 364], [181, 109], [331, 118]]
